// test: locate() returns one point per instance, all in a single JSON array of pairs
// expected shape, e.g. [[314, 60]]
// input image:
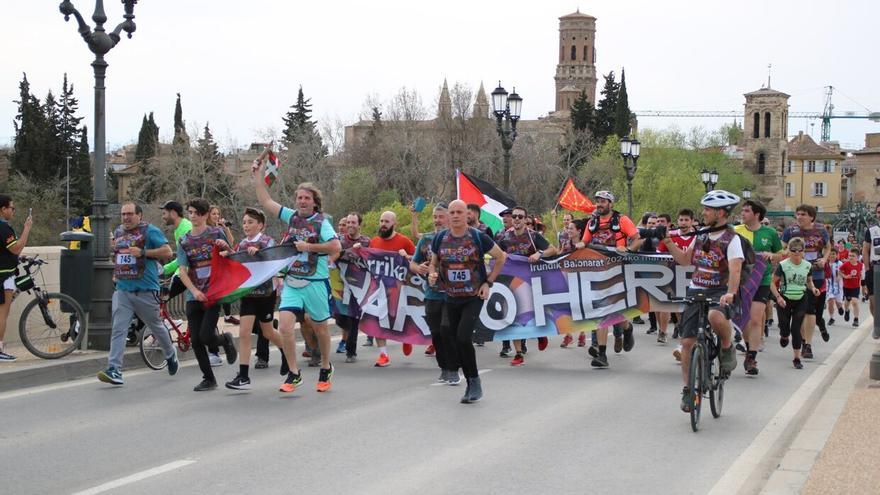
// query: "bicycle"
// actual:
[[704, 373], [148, 344], [60, 324]]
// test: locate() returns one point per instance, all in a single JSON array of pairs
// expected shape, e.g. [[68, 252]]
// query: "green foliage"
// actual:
[[582, 112], [356, 191], [370, 226], [180, 136], [148, 139], [606, 110], [622, 114], [388, 196], [855, 218], [34, 145], [47, 201]]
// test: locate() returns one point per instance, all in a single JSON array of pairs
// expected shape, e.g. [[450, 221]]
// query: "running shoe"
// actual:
[[351, 359], [505, 352], [797, 364], [676, 353], [261, 364], [325, 379], [566, 341], [205, 385], [618, 344], [783, 341], [807, 351], [855, 324], [740, 347], [517, 360], [751, 366], [728, 360], [661, 337], [291, 382], [846, 315], [239, 383], [687, 401], [383, 361], [582, 340], [638, 320], [429, 351], [600, 361], [111, 375], [229, 348], [340, 348], [839, 310], [173, 364], [444, 376], [407, 349], [215, 359], [825, 336], [593, 350], [652, 330], [830, 321], [628, 340], [232, 320], [542, 343], [452, 377], [6, 357]]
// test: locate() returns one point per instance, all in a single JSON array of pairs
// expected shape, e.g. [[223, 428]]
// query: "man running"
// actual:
[[765, 241], [444, 347], [306, 284], [390, 240], [350, 322], [718, 258], [871, 257], [10, 248], [609, 228], [138, 247], [457, 265], [524, 241], [818, 248]]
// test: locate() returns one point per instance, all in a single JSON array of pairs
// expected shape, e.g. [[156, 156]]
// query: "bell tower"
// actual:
[[576, 70], [765, 142]]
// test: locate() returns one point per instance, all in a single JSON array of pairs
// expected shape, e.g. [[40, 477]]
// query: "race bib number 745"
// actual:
[[458, 275]]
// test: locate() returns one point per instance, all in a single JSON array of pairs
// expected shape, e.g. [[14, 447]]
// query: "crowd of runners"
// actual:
[[807, 276]]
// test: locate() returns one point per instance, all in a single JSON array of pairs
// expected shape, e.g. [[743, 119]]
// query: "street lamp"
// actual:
[[507, 109], [100, 43], [630, 150], [747, 193], [710, 179]]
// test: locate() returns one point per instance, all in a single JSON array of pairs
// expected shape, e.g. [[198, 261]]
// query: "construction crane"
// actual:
[[825, 115]]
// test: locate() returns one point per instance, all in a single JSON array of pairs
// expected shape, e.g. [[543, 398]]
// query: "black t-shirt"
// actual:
[[8, 260]]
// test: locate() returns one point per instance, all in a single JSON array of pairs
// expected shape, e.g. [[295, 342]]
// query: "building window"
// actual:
[[784, 162], [755, 133], [574, 52], [811, 165], [766, 124], [877, 182], [818, 189], [789, 189], [561, 53], [761, 163], [586, 53], [790, 168]]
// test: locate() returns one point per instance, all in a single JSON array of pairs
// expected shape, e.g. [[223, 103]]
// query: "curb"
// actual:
[[750, 473]]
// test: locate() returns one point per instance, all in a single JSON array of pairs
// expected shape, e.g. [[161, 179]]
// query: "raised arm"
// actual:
[[266, 201]]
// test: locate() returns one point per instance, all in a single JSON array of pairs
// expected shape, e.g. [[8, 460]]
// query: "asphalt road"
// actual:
[[552, 426]]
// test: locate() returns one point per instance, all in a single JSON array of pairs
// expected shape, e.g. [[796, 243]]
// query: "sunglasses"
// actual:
[[795, 251], [517, 217]]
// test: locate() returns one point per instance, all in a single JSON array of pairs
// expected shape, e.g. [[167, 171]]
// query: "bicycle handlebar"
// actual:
[[31, 261]]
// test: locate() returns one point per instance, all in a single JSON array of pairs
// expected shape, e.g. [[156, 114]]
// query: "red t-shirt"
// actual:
[[397, 242], [683, 242], [851, 275], [606, 237]]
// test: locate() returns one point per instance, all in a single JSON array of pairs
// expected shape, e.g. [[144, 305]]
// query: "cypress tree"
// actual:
[[581, 112], [148, 140], [180, 136], [622, 114], [32, 143], [68, 123], [604, 123], [81, 176], [299, 127]]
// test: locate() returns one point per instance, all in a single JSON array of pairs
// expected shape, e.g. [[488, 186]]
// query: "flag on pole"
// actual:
[[572, 199], [234, 276], [492, 201], [273, 165]]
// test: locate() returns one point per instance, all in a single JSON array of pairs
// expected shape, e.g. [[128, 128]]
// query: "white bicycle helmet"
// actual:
[[605, 195], [720, 198]]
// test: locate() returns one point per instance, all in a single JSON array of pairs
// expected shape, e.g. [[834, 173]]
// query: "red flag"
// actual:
[[572, 199]]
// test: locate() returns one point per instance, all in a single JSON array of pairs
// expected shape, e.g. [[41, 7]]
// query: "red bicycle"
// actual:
[[151, 351]]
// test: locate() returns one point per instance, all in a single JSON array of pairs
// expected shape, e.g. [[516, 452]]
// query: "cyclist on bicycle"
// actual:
[[136, 247], [718, 256], [10, 248]]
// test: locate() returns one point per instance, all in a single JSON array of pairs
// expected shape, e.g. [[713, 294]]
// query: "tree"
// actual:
[[69, 131], [582, 112], [622, 114], [148, 139], [180, 136], [81, 175], [606, 110]]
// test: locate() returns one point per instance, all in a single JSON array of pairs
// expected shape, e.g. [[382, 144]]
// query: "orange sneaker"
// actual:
[[290, 383], [567, 340], [383, 361], [518, 360], [407, 349], [429, 351], [325, 378]]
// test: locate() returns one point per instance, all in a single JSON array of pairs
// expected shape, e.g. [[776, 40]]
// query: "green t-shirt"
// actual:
[[182, 229], [765, 239], [794, 278]]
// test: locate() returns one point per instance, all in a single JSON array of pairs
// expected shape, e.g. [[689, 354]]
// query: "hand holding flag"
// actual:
[[273, 165]]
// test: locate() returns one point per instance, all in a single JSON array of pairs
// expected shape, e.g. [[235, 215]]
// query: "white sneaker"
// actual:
[[216, 360], [677, 353]]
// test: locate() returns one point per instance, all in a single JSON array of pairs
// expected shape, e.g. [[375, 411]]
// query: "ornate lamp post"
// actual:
[[746, 193], [507, 111], [100, 42], [710, 179], [630, 150]]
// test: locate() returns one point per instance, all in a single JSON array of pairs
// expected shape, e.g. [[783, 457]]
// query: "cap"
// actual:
[[175, 206], [506, 211]]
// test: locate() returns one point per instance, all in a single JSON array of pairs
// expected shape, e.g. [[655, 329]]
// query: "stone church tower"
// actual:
[[765, 131], [576, 70]]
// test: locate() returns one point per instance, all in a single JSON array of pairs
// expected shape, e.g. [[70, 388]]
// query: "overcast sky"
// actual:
[[238, 63]]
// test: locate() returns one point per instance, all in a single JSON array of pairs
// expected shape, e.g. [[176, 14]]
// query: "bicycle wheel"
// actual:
[[716, 382], [696, 384], [47, 331], [151, 350]]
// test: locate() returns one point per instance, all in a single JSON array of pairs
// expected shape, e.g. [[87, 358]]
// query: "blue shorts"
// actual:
[[314, 299]]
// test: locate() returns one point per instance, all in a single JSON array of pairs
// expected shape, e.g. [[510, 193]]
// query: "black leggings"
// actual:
[[177, 288], [202, 324], [790, 319], [462, 314], [445, 348]]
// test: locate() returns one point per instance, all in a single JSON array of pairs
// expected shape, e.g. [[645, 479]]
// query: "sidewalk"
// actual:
[[31, 371]]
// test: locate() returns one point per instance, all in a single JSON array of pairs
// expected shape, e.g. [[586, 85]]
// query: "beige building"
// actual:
[[865, 175], [576, 69], [764, 143], [813, 175]]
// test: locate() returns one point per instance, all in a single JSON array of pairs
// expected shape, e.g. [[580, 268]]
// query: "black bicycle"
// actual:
[[705, 378], [53, 324]]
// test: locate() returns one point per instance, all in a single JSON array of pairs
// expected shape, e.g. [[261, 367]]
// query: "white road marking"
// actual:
[[134, 478]]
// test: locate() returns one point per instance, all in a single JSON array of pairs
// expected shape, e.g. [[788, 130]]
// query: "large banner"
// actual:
[[579, 291]]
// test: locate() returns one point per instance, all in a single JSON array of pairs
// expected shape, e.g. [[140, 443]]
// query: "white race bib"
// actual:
[[125, 259], [458, 275]]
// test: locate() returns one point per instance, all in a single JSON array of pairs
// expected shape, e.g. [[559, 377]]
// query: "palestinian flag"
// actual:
[[273, 166], [492, 201], [236, 275]]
